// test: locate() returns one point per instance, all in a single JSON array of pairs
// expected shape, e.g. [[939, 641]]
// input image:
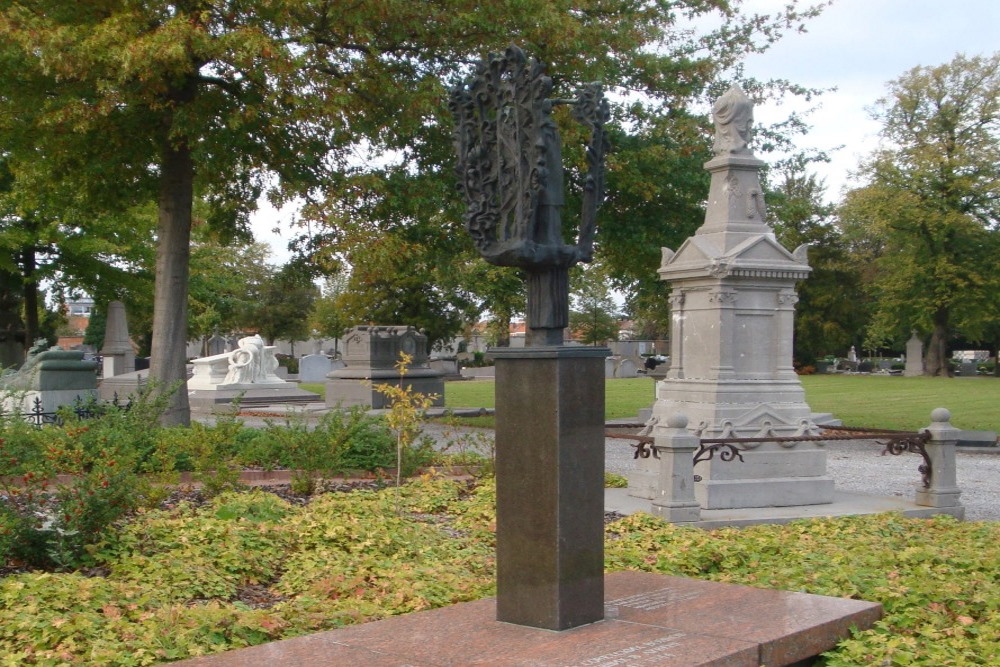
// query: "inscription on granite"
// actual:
[[653, 652], [653, 600]]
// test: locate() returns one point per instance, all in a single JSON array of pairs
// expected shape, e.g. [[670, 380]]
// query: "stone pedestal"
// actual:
[[550, 479], [675, 502], [732, 309], [371, 355], [943, 490]]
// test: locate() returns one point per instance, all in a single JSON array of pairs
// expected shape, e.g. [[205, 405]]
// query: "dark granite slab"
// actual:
[[650, 620]]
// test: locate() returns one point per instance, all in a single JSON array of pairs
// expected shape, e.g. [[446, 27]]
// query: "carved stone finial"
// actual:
[[733, 116]]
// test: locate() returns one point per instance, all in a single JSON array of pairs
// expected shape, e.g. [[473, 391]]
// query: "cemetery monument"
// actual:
[[550, 397], [248, 372], [118, 355], [52, 376], [371, 355], [732, 311]]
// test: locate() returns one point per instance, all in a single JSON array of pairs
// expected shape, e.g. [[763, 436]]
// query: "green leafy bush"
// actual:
[[114, 464]]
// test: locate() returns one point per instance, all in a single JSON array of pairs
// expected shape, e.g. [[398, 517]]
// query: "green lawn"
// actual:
[[878, 401]]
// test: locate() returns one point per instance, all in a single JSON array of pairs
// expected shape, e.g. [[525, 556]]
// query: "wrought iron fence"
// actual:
[[83, 409], [730, 449]]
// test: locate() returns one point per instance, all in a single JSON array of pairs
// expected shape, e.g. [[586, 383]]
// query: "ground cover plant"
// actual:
[[64, 486], [245, 568], [877, 401]]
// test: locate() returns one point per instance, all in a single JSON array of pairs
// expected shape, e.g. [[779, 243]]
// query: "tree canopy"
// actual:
[[928, 214], [108, 105]]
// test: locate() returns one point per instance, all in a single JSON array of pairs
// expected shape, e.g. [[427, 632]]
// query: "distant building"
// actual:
[[78, 312]]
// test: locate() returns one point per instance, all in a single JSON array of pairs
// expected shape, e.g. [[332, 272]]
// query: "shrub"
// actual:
[[114, 462]]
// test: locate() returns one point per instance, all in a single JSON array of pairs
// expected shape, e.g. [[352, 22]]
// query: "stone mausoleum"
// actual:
[[732, 310]]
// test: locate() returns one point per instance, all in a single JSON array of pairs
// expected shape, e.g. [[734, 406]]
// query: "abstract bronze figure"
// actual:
[[510, 174]]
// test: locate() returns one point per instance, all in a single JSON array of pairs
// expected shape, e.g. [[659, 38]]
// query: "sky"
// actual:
[[857, 47], [854, 46]]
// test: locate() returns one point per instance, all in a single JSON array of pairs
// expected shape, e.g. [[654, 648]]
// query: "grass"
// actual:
[[877, 401], [905, 403], [314, 387]]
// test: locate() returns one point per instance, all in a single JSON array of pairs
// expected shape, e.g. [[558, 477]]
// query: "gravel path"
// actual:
[[857, 466]]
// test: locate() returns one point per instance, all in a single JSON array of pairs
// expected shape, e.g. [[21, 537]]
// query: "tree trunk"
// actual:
[[12, 340], [170, 301], [936, 358], [503, 329]]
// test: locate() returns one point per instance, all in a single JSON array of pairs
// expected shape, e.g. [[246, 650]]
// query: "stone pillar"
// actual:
[[119, 357], [943, 491], [914, 356], [550, 485], [675, 501]]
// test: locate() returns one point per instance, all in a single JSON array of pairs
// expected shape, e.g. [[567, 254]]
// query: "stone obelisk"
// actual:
[[117, 352], [732, 312]]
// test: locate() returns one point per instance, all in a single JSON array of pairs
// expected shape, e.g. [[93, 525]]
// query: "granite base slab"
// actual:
[[650, 619]]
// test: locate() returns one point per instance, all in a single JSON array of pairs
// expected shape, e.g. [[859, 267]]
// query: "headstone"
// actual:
[[446, 365], [914, 356], [371, 355], [610, 364], [119, 357], [550, 501], [216, 345], [314, 368], [852, 354], [733, 308], [968, 369], [627, 368]]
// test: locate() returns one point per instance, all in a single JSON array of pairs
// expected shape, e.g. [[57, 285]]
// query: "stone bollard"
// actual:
[[943, 491], [674, 500]]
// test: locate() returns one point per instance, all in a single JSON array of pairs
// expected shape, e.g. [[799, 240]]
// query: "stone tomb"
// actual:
[[650, 619], [372, 354], [52, 376]]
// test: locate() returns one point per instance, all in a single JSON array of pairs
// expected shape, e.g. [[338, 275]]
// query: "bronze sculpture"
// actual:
[[511, 176]]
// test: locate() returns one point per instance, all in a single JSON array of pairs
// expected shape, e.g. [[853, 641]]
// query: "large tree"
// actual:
[[832, 310], [931, 206]]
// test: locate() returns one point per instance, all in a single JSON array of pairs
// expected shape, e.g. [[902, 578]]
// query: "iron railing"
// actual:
[[730, 449]]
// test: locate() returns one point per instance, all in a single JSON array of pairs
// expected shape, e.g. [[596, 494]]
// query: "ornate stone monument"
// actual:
[[550, 397], [118, 355], [248, 372], [372, 354], [732, 308]]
